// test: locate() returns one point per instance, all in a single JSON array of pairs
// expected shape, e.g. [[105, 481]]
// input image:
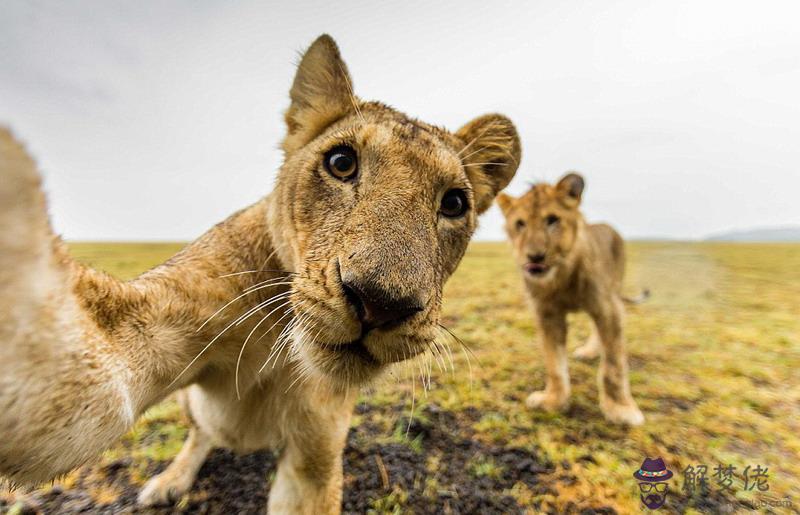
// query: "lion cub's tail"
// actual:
[[643, 296]]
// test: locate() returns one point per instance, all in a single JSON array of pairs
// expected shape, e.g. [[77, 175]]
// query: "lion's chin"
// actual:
[[540, 276], [354, 363], [355, 352], [343, 366]]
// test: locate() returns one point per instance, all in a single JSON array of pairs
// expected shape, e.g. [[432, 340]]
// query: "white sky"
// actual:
[[155, 120]]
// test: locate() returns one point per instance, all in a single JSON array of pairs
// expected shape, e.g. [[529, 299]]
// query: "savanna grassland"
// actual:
[[715, 367]]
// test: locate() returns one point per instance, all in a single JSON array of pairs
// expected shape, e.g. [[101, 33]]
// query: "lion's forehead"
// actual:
[[409, 133], [405, 143], [540, 198], [409, 127]]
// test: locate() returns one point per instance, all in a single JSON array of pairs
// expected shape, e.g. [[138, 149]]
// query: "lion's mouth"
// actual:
[[536, 269], [355, 349]]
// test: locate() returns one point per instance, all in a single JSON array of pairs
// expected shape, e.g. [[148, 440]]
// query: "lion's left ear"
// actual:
[[490, 154], [505, 202], [321, 93]]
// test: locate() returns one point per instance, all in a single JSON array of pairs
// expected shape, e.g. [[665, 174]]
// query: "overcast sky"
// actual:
[[155, 120]]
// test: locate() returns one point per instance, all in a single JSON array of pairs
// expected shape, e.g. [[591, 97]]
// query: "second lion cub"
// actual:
[[569, 265]]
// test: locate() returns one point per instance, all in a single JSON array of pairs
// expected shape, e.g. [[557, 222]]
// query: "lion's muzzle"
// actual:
[[377, 307]]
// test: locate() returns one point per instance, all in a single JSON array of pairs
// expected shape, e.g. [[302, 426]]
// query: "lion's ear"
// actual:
[[505, 202], [321, 93], [570, 187], [490, 154]]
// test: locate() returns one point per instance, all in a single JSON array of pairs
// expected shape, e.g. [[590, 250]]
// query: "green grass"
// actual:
[[485, 467], [715, 367]]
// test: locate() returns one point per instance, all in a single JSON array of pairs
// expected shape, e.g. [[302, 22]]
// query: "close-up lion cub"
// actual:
[[269, 322], [569, 265]]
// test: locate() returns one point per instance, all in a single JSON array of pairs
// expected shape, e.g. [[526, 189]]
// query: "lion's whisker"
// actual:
[[422, 377], [465, 350], [299, 341], [313, 341], [304, 372], [273, 326], [277, 281], [351, 94], [217, 312], [436, 353], [286, 313], [460, 342], [280, 342], [300, 374], [473, 153], [261, 305], [469, 367], [274, 251], [235, 322], [481, 164], [476, 138], [426, 368], [413, 401], [250, 335], [261, 271], [449, 354]]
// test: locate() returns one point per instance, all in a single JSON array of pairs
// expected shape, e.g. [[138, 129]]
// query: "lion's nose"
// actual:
[[377, 308], [537, 258]]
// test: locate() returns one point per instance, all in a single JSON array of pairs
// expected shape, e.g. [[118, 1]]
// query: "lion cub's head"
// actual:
[[374, 211], [543, 225]]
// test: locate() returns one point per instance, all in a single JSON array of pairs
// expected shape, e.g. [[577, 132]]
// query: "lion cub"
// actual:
[[569, 265], [271, 321]]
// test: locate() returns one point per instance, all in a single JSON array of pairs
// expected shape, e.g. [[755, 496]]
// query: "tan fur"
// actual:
[[581, 268], [84, 354]]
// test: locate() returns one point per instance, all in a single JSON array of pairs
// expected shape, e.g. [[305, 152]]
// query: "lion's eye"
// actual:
[[520, 224], [454, 203], [342, 162], [551, 219]]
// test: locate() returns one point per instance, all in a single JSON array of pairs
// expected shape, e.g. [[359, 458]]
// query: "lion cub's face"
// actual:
[[377, 210], [543, 225]]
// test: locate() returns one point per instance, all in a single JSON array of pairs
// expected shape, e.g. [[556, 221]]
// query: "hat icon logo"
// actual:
[[653, 487]]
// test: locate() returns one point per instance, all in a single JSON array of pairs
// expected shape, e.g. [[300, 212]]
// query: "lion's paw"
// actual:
[[165, 488], [627, 413], [547, 401], [587, 351]]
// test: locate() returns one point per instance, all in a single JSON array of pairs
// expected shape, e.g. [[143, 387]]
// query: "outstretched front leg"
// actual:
[[84, 354], [615, 396], [553, 327]]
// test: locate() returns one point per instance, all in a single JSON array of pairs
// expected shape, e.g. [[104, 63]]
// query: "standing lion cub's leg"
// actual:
[[307, 484], [592, 348], [309, 476], [615, 396], [178, 477], [553, 326]]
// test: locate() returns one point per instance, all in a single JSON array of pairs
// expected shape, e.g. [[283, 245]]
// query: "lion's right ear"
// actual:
[[505, 202], [490, 155], [570, 187], [321, 93]]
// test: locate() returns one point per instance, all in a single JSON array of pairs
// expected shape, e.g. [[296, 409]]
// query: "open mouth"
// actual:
[[536, 269]]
